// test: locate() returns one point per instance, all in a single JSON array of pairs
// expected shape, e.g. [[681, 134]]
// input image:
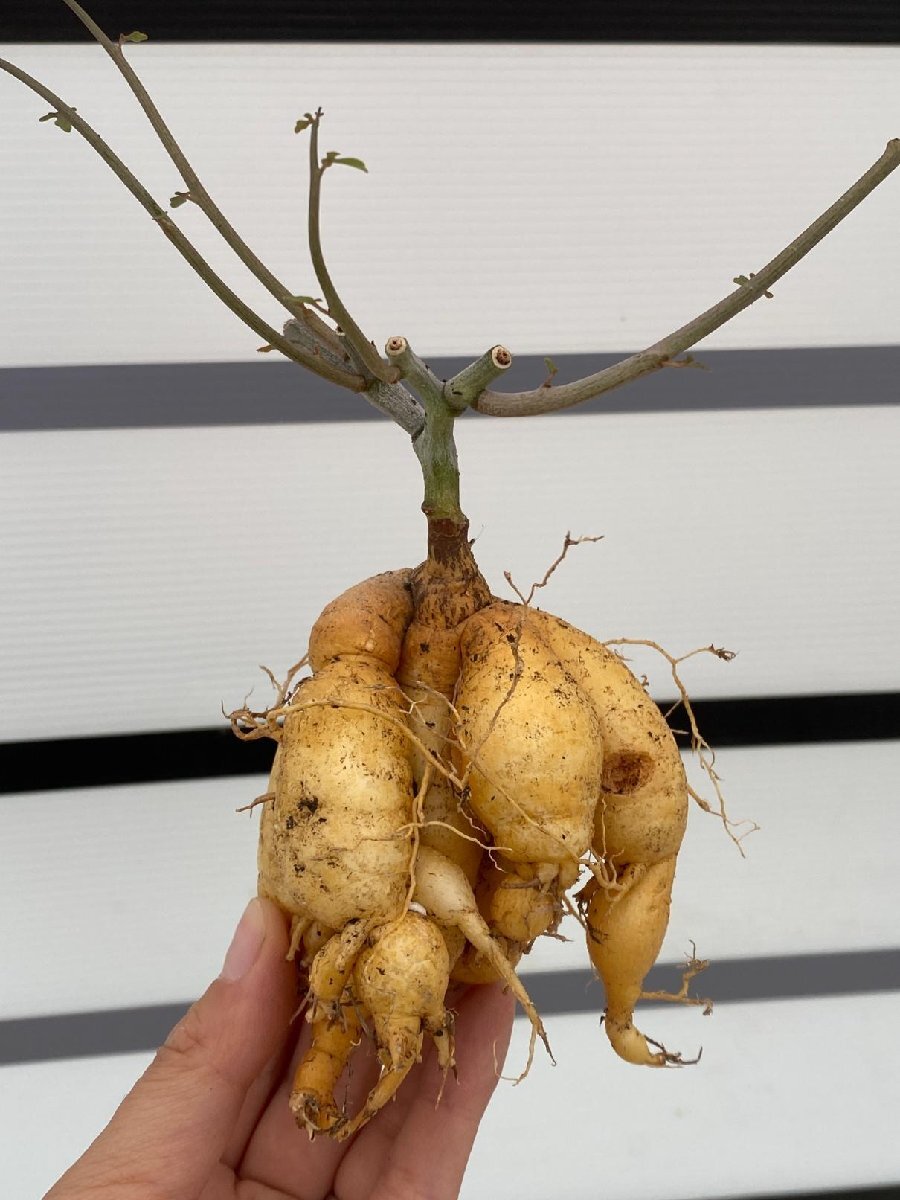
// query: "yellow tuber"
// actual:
[[448, 772]]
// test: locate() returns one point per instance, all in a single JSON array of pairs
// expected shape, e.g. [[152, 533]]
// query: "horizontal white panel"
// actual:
[[555, 198], [127, 896], [784, 1099], [75, 1098], [148, 573], [762, 1113]]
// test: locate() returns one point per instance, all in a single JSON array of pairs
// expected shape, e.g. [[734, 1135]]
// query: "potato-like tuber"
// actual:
[[450, 769]]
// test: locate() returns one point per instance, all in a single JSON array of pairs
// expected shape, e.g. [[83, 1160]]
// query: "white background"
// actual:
[[564, 199]]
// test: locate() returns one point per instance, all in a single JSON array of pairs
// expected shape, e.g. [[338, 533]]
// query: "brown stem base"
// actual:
[[447, 589], [449, 582]]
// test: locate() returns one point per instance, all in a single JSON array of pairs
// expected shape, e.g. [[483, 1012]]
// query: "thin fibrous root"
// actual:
[[263, 799], [699, 745], [692, 968], [283, 690], [434, 692], [568, 542], [299, 926], [489, 847], [265, 724], [575, 912], [415, 826], [673, 1058]]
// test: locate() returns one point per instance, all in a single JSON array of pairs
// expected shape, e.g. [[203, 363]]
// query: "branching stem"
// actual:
[[410, 367], [198, 193], [470, 382], [364, 349], [551, 399], [181, 243], [434, 444]]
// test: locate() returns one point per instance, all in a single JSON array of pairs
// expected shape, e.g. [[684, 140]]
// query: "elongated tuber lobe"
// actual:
[[335, 849], [530, 741], [639, 822], [624, 934], [643, 799]]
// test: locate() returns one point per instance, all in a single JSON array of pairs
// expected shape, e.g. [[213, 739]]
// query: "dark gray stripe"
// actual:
[[785, 977], [171, 395], [806, 976]]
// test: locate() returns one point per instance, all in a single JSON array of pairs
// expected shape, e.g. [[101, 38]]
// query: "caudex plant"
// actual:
[[449, 765]]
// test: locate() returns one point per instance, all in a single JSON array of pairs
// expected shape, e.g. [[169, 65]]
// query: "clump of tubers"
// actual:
[[453, 765]]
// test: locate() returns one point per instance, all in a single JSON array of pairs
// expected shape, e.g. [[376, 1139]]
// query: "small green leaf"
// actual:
[[329, 158], [132, 37], [687, 361], [551, 366], [59, 119], [301, 125], [179, 198], [264, 349], [353, 162], [690, 361], [743, 280], [308, 299]]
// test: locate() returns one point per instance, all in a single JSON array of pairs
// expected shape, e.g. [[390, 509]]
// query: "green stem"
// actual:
[[435, 449], [434, 444], [336, 307]]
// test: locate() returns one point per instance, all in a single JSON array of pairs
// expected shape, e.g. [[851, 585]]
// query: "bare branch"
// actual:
[[182, 244], [470, 382], [315, 337], [196, 191], [411, 367], [300, 331], [364, 349], [550, 399], [395, 400]]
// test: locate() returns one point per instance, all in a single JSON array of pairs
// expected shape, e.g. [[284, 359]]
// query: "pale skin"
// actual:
[[209, 1119]]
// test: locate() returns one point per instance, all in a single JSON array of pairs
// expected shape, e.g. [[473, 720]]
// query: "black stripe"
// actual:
[[118, 759], [862, 21], [171, 395], [555, 993]]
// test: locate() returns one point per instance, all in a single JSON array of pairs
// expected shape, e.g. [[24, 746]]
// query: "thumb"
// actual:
[[171, 1130]]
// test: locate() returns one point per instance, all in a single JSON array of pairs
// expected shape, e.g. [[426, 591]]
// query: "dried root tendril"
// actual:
[[248, 725], [490, 848], [692, 968], [415, 827], [674, 1058], [568, 542], [575, 911], [706, 756], [263, 799]]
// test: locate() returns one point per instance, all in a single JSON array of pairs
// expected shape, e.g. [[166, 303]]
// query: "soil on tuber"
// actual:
[[450, 769]]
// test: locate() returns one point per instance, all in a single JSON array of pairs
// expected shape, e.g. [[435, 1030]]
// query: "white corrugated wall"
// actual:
[[562, 200]]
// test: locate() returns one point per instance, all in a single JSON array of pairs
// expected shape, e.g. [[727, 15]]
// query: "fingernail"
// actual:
[[246, 943]]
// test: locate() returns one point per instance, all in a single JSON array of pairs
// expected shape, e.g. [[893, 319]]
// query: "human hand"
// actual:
[[209, 1119]]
